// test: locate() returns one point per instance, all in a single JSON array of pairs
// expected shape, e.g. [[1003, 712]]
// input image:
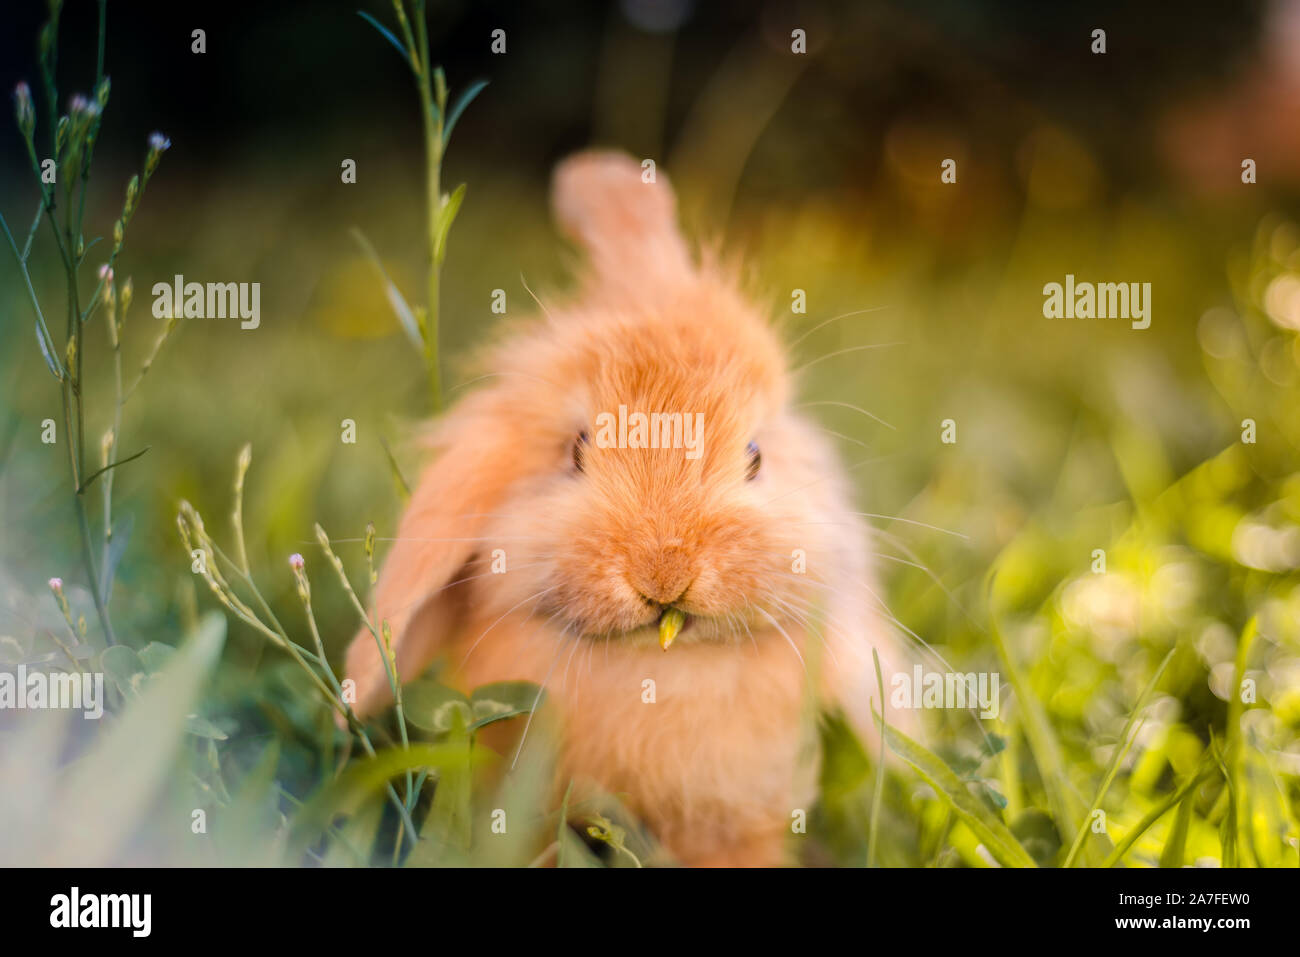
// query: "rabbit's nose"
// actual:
[[665, 574]]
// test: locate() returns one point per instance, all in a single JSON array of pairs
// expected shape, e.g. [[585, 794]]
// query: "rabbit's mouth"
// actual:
[[671, 624]]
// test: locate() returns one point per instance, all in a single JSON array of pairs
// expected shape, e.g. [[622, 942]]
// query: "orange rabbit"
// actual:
[[600, 541]]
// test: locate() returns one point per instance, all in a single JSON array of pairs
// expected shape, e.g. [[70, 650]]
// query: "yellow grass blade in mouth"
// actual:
[[669, 626]]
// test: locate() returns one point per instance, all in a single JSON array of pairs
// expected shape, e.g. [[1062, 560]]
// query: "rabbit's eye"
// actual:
[[579, 445], [755, 461]]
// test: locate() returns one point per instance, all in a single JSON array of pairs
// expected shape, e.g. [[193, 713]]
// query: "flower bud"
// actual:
[[24, 111], [300, 576], [158, 144], [106, 279], [56, 586], [370, 550], [132, 194]]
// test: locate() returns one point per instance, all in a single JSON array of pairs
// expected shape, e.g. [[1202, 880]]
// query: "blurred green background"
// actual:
[[822, 170]]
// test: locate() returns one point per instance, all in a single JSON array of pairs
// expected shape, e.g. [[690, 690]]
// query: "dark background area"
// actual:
[[282, 76]]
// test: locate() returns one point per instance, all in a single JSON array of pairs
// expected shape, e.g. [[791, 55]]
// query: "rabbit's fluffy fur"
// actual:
[[717, 764]]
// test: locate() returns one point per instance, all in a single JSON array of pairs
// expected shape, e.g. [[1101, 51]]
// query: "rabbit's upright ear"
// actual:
[[435, 544], [623, 216]]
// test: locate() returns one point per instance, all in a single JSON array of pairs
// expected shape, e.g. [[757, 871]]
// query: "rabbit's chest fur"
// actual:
[[708, 743]]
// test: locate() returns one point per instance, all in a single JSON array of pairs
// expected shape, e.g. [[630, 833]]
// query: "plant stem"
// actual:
[[432, 108], [66, 240], [111, 455], [75, 393], [27, 277], [394, 681], [340, 704]]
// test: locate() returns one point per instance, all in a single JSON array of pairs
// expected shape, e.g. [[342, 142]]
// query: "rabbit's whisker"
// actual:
[[908, 521], [540, 305], [537, 700], [491, 375], [852, 468], [902, 547], [841, 352], [790, 641], [422, 598], [814, 628], [925, 645], [499, 620], [468, 538], [564, 682], [843, 315], [846, 405], [841, 435]]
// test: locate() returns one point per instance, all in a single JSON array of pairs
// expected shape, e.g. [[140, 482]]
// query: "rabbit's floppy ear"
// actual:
[[438, 535], [623, 216]]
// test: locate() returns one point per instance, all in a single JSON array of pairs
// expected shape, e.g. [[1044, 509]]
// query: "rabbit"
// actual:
[[643, 564]]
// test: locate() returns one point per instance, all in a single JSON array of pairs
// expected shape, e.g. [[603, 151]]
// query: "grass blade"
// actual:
[[878, 788], [111, 465], [47, 350], [387, 34], [991, 832], [1156, 813], [403, 487], [395, 298], [457, 108], [106, 794], [349, 791], [116, 549], [1066, 806], [1126, 738], [1176, 844], [1233, 756], [446, 216]]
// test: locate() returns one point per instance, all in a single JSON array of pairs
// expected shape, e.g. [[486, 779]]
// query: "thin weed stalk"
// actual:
[[437, 122], [71, 146]]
